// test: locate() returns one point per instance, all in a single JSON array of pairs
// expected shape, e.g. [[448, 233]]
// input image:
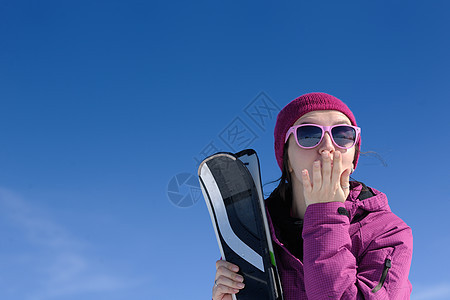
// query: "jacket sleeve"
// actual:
[[332, 271]]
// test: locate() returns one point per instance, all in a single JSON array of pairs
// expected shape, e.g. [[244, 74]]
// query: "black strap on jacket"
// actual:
[[366, 192]]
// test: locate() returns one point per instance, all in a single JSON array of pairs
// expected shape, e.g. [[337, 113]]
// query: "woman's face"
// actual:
[[300, 159]]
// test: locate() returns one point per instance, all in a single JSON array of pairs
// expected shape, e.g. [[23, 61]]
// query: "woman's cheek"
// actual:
[[298, 174]]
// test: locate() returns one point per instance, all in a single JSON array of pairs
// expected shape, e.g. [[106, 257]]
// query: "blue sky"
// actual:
[[104, 103]]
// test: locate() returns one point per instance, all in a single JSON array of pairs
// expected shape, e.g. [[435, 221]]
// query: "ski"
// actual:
[[231, 186]]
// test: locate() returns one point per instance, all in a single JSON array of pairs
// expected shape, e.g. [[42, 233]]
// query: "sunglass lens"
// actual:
[[309, 136], [344, 136]]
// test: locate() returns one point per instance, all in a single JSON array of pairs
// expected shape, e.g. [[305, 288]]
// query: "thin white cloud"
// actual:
[[436, 292], [37, 228], [72, 274], [52, 259]]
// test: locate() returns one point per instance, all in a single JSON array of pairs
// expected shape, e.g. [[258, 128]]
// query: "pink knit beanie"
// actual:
[[300, 106]]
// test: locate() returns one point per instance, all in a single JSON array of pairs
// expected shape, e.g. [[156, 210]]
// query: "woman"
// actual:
[[333, 238]]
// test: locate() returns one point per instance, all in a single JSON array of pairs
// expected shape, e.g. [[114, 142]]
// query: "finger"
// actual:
[[228, 265], [222, 297], [317, 176], [337, 170], [228, 282], [345, 182], [307, 187], [326, 168], [227, 273], [223, 292]]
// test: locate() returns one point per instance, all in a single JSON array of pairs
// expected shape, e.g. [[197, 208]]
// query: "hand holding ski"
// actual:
[[231, 186], [227, 281]]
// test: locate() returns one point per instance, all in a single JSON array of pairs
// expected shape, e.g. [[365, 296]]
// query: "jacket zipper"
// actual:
[[387, 266]]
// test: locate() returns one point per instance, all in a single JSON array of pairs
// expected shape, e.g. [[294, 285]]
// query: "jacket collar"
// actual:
[[366, 198]]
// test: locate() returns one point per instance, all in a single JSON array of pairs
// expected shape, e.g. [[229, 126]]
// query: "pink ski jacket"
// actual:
[[353, 250]]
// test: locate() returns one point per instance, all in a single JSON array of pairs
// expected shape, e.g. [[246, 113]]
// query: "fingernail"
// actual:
[[304, 172], [239, 278], [240, 285], [235, 268]]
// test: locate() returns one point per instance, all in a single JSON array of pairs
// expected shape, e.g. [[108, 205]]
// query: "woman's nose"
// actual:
[[326, 144]]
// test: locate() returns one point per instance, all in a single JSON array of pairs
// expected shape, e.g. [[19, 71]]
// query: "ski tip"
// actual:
[[247, 152], [214, 156]]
